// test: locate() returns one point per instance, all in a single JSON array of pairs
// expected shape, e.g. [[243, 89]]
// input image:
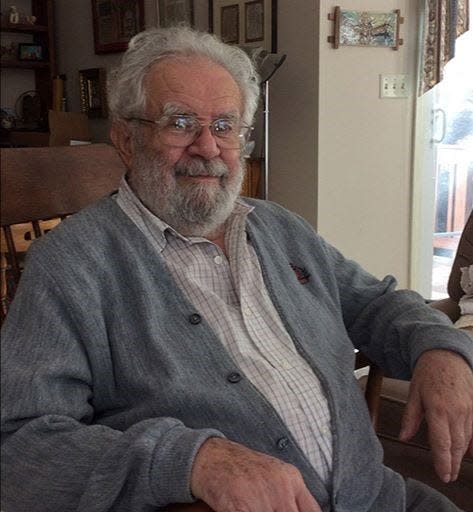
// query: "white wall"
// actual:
[[365, 148], [348, 171]]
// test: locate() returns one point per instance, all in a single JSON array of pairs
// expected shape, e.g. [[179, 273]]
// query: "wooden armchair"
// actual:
[[41, 186]]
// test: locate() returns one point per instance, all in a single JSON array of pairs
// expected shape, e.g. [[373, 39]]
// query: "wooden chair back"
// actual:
[[67, 126], [39, 184]]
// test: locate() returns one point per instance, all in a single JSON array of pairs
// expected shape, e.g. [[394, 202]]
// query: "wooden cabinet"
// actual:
[[43, 34]]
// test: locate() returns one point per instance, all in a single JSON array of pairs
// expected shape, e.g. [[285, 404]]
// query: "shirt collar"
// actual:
[[158, 228]]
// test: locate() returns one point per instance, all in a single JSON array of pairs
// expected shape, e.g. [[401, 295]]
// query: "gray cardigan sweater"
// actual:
[[112, 380]]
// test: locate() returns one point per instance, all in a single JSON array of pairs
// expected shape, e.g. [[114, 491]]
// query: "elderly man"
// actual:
[[173, 342]]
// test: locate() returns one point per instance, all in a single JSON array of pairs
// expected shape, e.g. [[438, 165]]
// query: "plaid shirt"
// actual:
[[231, 295]]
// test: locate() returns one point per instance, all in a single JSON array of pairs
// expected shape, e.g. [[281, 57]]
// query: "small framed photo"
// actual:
[[93, 94], [31, 52], [245, 22], [115, 23], [173, 12]]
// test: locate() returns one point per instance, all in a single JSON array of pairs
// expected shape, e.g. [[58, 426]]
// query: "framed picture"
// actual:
[[254, 21], [364, 28], [93, 93], [31, 52], [115, 23], [245, 22], [230, 24], [172, 12]]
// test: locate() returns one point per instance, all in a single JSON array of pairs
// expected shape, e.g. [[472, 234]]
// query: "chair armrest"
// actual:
[[447, 306]]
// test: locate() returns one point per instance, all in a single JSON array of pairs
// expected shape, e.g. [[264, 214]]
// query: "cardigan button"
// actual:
[[283, 443], [234, 377], [195, 319], [335, 499]]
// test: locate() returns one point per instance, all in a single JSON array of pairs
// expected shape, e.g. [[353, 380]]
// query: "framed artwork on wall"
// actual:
[[245, 22], [115, 23], [230, 24], [93, 92], [365, 28], [172, 12], [31, 52]]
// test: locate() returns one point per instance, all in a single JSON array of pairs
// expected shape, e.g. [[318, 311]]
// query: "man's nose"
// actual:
[[205, 145]]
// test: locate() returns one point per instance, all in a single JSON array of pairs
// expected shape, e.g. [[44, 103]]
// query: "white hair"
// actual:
[[126, 92]]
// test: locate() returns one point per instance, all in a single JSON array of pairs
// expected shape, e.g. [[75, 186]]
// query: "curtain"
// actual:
[[444, 21]]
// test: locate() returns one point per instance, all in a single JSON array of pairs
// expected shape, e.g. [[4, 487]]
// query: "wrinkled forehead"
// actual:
[[196, 83]]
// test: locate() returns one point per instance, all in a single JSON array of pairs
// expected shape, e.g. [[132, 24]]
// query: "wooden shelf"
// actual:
[[21, 64], [42, 34], [25, 28]]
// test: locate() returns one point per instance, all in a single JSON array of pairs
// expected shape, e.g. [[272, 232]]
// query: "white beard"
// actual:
[[192, 209]]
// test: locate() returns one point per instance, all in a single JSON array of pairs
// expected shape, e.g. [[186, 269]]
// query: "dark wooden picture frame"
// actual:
[[115, 23], [172, 12], [93, 92], [230, 24], [254, 21]]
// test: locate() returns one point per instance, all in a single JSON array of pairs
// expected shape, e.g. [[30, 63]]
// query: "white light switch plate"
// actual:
[[393, 86]]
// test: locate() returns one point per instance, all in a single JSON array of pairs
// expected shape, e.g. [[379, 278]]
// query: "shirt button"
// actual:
[[195, 319], [283, 443], [234, 377], [218, 260], [247, 312]]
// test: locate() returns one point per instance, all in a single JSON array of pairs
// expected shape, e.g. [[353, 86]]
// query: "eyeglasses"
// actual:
[[182, 130]]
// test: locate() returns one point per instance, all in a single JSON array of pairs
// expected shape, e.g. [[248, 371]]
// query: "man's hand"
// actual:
[[230, 477], [441, 391]]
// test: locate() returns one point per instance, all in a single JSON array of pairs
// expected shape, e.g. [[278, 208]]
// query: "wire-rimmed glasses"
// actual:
[[181, 130]]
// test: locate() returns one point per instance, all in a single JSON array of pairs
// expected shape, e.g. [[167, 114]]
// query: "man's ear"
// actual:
[[122, 140]]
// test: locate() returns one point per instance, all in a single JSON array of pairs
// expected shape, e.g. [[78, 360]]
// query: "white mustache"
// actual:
[[199, 168]]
